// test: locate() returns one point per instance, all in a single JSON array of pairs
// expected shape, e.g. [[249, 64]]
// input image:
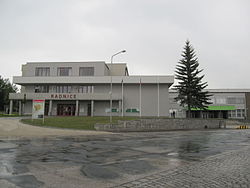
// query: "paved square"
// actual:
[[211, 158]]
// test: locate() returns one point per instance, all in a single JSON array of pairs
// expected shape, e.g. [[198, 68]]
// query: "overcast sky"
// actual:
[[152, 31]]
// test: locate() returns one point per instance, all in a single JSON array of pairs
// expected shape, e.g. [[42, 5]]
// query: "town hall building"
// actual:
[[84, 89]]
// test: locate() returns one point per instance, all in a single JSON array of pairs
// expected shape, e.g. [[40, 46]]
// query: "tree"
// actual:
[[5, 88], [190, 87]]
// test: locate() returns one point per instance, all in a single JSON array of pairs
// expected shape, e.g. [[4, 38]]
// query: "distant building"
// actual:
[[226, 103], [83, 89]]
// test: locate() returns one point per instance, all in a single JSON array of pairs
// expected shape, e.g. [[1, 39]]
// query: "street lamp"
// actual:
[[110, 115]]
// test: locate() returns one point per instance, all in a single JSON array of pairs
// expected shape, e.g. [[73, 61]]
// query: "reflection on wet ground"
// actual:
[[108, 158]]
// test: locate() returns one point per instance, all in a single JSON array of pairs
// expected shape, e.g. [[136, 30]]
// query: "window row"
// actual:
[[64, 71], [229, 100], [133, 110], [64, 89], [239, 113]]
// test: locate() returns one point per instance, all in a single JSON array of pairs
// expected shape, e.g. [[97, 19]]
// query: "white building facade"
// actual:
[[226, 103], [84, 89]]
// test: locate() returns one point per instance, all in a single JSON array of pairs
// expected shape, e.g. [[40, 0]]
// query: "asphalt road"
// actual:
[[209, 158]]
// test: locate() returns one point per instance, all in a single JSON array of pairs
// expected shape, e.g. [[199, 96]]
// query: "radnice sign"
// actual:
[[63, 96]]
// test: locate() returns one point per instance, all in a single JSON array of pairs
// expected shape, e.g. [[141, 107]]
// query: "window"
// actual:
[[243, 113], [239, 113], [86, 71], [240, 100], [235, 100], [42, 89], [63, 89], [64, 71], [233, 113], [107, 110], [133, 110], [42, 71], [53, 89], [86, 89], [220, 100]]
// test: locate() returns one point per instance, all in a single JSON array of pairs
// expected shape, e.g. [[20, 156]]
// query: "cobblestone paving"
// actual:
[[231, 169]]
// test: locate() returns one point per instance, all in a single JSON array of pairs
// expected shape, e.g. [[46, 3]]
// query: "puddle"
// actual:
[[25, 181], [98, 171]]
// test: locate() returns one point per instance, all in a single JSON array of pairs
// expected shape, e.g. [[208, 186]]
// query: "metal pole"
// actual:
[[140, 97], [158, 92], [122, 99], [43, 111], [111, 83], [110, 115]]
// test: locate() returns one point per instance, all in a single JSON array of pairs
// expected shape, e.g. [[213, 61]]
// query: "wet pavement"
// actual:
[[113, 160]]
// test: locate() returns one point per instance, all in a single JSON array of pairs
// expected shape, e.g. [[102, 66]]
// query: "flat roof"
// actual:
[[221, 90], [55, 62]]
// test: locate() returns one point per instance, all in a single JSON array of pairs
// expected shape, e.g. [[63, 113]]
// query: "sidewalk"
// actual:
[[229, 169], [12, 127]]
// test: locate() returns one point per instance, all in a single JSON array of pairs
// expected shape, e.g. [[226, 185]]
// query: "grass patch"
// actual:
[[78, 122], [9, 115]]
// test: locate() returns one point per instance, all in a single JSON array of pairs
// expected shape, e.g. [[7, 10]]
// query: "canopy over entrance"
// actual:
[[215, 108]]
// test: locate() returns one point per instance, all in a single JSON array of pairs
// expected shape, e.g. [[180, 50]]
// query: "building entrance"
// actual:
[[66, 109], [210, 114]]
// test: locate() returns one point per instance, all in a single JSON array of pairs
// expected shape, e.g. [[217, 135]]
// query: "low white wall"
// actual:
[[161, 125]]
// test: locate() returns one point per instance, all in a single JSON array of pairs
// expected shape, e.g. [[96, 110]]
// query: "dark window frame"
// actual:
[[62, 70], [40, 70], [89, 71]]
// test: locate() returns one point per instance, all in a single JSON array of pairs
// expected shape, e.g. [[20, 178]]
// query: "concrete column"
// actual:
[[11, 106], [92, 108], [120, 107], [77, 107], [50, 108], [20, 108], [23, 108]]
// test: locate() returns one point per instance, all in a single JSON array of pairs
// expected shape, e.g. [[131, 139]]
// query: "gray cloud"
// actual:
[[152, 31]]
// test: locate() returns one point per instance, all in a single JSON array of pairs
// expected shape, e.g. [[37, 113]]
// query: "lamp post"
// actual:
[[110, 115]]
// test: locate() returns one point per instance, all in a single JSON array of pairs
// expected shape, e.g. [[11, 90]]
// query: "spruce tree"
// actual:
[[190, 87]]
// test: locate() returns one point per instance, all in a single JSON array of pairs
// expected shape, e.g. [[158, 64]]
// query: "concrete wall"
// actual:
[[100, 68], [106, 71], [101, 106], [161, 125], [117, 69], [27, 108], [149, 99], [131, 99], [83, 108]]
